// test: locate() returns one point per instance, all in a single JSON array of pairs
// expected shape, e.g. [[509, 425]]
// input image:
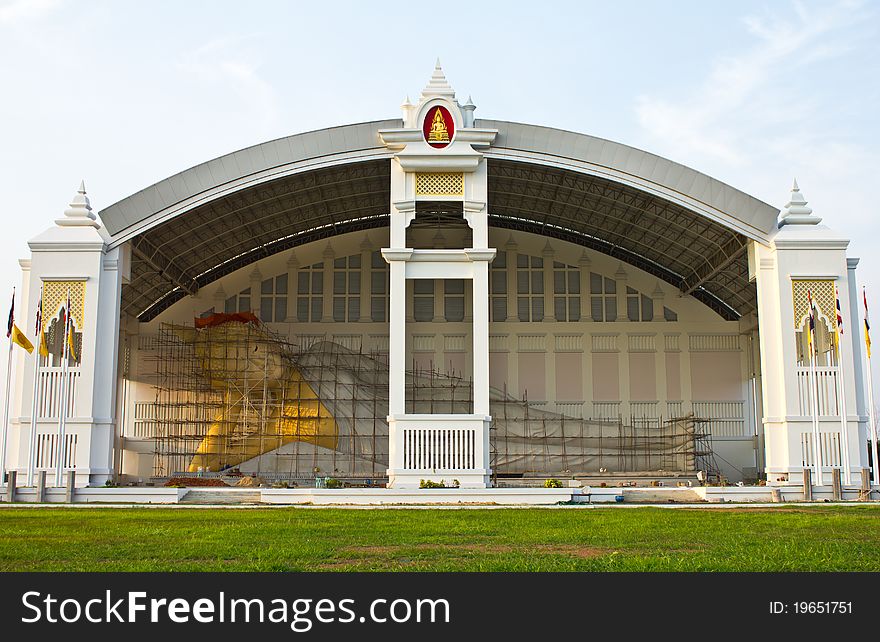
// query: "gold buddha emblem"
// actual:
[[438, 133]]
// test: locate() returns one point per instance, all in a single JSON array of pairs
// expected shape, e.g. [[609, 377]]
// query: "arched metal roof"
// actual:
[[662, 217]]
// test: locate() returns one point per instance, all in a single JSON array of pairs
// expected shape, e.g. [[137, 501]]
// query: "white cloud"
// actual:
[[749, 95], [16, 11], [230, 67]]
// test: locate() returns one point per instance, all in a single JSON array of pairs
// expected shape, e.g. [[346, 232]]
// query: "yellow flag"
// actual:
[[18, 337], [70, 348], [44, 348]]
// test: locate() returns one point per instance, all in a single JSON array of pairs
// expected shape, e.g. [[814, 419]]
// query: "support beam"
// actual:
[[146, 251], [729, 252]]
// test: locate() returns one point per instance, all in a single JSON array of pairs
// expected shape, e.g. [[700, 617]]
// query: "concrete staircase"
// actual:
[[222, 496]]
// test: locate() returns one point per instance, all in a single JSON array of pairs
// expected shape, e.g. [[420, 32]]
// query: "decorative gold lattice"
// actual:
[[823, 297], [440, 184], [55, 297]]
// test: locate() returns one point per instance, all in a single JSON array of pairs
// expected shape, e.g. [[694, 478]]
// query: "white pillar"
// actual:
[[510, 248], [397, 335], [73, 256], [327, 302], [366, 284], [584, 265], [481, 337], [802, 255], [549, 308], [292, 286]]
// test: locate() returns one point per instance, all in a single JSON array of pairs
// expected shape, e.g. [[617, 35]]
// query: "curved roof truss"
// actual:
[[668, 220]]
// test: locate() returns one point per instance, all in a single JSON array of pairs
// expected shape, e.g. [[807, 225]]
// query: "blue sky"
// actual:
[[123, 93]]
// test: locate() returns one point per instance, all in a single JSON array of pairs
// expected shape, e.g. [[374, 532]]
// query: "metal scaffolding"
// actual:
[[237, 396]]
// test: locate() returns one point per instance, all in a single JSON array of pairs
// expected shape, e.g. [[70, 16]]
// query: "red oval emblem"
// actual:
[[438, 127]]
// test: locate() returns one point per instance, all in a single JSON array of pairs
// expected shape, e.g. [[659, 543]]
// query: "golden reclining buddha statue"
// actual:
[[266, 402]]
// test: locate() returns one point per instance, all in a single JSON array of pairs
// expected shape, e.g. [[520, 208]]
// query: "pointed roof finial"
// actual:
[[79, 211], [438, 86], [796, 211]]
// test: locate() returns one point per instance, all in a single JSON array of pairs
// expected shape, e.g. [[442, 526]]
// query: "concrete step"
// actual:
[[230, 496], [654, 495]]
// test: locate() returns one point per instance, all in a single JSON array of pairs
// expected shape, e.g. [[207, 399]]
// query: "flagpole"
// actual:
[[841, 394], [872, 422], [32, 441], [62, 413], [6, 414], [817, 433], [40, 339], [8, 386]]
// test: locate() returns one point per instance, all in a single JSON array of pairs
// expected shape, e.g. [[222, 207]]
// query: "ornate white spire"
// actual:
[[407, 108], [438, 86], [467, 111], [796, 211], [79, 212]]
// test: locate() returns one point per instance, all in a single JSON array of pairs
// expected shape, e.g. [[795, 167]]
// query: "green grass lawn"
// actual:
[[291, 539]]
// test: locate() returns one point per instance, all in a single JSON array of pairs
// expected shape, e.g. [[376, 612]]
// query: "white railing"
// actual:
[[726, 418], [50, 392], [439, 448], [574, 409], [643, 409], [606, 410], [151, 420], [46, 454], [830, 444], [825, 383]]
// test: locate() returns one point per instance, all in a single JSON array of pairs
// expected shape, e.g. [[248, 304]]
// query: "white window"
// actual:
[[529, 287], [240, 302], [273, 299], [453, 296], [566, 292], [378, 288], [498, 288], [347, 288], [638, 306], [603, 298], [310, 293], [423, 299]]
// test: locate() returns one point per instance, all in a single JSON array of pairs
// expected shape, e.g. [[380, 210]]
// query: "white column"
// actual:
[[510, 249], [292, 286], [327, 308], [397, 338], [256, 280], [584, 264], [620, 280], [366, 284], [549, 308], [439, 301], [481, 337]]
